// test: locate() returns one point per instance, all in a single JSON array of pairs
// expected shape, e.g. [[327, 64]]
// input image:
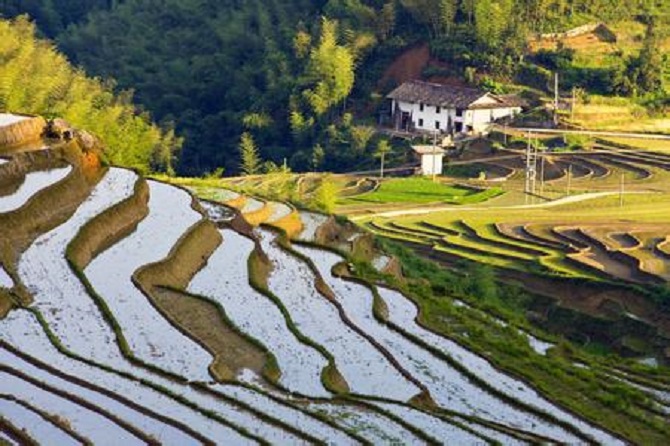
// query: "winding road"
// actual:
[[430, 210]]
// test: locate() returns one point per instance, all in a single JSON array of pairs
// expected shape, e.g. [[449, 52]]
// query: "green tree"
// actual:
[[330, 71], [238, 58], [251, 161], [301, 126], [37, 79], [257, 120], [325, 196], [448, 9], [468, 8], [302, 43], [386, 20], [318, 156], [650, 62], [432, 13], [361, 136], [492, 17], [383, 147]]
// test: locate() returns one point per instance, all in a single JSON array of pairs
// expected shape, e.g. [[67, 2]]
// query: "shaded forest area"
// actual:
[[35, 78], [289, 74]]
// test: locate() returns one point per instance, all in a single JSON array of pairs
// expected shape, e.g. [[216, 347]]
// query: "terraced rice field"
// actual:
[[591, 241], [577, 239], [143, 315], [33, 183], [7, 119]]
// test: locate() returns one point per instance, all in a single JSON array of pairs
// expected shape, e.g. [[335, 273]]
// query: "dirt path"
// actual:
[[434, 209]]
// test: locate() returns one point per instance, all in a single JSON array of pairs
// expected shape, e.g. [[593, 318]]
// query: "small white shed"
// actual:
[[432, 159]]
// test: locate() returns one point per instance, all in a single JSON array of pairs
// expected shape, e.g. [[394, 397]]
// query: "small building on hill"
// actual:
[[429, 107], [432, 159]]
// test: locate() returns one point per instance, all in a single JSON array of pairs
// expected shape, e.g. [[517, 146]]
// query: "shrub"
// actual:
[[38, 79], [533, 75], [555, 59], [576, 142]]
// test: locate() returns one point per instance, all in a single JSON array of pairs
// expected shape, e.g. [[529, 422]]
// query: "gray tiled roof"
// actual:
[[438, 94]]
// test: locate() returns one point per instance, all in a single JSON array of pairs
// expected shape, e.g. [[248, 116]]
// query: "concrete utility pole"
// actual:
[[434, 155], [531, 168], [542, 173], [567, 190], [381, 168], [556, 98]]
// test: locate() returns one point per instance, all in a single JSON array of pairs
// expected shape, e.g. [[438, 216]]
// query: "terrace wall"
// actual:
[[22, 132]]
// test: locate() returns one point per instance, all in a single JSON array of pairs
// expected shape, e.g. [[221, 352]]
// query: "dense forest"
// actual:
[[35, 78], [298, 78]]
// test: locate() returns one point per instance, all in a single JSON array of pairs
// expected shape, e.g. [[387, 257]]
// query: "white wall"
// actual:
[[429, 115], [478, 119], [427, 164]]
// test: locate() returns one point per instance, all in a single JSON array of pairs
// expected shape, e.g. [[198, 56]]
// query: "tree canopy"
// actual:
[[35, 78], [292, 73]]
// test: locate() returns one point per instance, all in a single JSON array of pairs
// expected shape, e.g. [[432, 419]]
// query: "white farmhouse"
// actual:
[[430, 107]]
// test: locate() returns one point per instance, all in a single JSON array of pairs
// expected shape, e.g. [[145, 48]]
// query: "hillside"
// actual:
[[37, 79], [299, 283], [130, 318], [589, 244], [214, 70]]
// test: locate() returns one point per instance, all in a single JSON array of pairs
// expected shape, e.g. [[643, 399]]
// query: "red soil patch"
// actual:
[[409, 65]]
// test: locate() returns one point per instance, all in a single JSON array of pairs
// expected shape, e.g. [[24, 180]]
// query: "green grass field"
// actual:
[[423, 191]]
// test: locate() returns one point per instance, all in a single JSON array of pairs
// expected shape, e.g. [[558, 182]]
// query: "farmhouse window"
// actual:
[[421, 106], [459, 112], [437, 125], [420, 122], [438, 109]]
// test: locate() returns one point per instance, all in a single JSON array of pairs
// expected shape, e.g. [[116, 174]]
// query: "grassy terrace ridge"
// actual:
[[121, 398], [331, 377], [45, 210], [380, 309], [259, 270], [505, 232], [484, 244], [499, 234], [454, 327], [422, 402], [121, 423], [163, 283], [421, 191], [23, 437], [120, 338], [200, 320], [440, 315], [177, 274]]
